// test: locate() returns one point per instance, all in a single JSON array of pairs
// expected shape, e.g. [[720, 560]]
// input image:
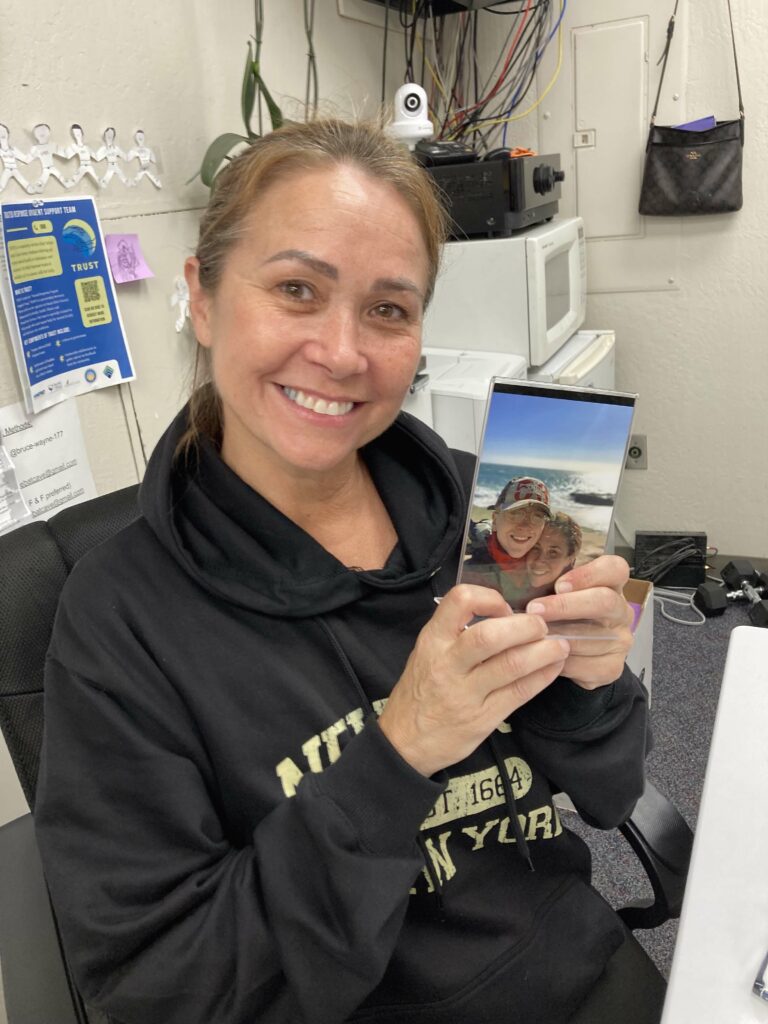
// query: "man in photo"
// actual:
[[497, 559]]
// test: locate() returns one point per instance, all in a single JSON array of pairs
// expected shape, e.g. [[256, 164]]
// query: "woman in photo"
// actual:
[[553, 554], [279, 784]]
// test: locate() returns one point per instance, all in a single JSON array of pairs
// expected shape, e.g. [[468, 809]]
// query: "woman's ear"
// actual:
[[199, 302]]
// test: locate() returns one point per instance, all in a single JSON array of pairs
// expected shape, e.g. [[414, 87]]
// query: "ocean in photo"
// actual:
[[586, 496]]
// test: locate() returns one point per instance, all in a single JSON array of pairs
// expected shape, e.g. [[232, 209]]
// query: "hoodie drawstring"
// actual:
[[498, 756]]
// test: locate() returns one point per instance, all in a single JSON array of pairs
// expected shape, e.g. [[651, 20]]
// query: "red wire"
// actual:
[[465, 113]]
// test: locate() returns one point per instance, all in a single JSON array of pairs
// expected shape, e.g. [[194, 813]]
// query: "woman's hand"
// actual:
[[593, 592], [459, 684]]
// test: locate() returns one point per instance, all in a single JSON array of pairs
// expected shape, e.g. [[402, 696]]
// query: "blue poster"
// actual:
[[60, 301]]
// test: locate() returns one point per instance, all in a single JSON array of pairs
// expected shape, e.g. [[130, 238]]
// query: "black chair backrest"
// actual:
[[35, 561]]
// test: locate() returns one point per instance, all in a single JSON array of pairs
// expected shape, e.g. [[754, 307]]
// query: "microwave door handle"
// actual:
[[584, 364]]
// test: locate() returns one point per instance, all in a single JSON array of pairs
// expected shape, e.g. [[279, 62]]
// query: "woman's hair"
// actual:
[[294, 148], [570, 530]]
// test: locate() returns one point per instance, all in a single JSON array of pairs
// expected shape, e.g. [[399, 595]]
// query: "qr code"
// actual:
[[90, 291]]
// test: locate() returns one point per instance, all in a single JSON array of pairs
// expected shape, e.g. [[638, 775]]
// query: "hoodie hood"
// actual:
[[242, 549]]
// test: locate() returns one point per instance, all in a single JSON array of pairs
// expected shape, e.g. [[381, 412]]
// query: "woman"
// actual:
[[265, 792], [553, 554]]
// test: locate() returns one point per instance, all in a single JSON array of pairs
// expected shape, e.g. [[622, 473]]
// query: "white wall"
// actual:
[[698, 356]]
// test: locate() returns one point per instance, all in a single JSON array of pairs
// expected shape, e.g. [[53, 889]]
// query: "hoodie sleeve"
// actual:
[[591, 744], [164, 919]]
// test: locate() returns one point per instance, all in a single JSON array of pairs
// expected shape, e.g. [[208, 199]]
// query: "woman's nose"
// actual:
[[337, 344]]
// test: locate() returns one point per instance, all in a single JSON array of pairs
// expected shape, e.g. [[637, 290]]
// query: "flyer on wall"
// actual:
[[59, 300]]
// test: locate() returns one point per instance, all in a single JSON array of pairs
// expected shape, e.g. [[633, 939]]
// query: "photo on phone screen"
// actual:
[[545, 486]]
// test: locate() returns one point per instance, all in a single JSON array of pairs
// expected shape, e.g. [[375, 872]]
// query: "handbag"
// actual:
[[693, 172]]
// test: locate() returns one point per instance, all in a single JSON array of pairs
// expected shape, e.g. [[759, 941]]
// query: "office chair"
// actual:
[[34, 563]]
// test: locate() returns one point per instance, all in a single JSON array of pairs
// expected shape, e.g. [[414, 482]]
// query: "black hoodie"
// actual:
[[229, 837]]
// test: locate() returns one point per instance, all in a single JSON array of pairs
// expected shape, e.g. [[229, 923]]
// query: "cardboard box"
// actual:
[[639, 593]]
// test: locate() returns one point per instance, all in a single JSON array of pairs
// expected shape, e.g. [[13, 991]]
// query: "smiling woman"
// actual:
[[278, 783]]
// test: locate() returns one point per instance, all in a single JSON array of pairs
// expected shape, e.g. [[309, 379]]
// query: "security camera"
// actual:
[[411, 122]]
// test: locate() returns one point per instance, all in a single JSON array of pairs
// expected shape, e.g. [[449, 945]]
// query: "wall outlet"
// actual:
[[637, 453]]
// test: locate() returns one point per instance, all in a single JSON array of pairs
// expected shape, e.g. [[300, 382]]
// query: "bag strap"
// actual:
[[665, 56]]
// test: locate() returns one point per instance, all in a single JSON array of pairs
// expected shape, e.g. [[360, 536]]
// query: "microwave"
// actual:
[[523, 295]]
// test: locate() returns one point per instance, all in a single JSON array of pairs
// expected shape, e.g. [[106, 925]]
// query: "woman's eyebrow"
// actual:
[[397, 284], [326, 269]]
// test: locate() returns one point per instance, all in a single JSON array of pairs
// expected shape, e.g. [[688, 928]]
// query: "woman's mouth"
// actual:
[[319, 405]]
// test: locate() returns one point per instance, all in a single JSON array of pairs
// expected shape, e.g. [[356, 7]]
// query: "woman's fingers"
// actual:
[[462, 680], [591, 607], [605, 571], [600, 605]]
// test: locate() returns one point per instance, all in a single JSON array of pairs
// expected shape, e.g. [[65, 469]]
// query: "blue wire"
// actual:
[[513, 101]]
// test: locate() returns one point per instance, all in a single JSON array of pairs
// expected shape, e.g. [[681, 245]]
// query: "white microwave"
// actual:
[[524, 295]]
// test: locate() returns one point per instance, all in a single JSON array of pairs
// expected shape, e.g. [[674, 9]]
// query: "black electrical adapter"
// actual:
[[670, 558]]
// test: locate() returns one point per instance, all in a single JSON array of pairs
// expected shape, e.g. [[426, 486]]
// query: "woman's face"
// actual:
[[315, 326], [518, 529], [549, 558]]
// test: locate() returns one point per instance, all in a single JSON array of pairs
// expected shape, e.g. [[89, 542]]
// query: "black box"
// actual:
[[493, 198], [653, 548]]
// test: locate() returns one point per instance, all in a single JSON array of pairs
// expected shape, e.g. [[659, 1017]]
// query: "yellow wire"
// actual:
[[435, 76], [517, 117]]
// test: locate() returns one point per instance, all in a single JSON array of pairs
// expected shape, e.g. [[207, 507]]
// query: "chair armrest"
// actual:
[[662, 840], [35, 976]]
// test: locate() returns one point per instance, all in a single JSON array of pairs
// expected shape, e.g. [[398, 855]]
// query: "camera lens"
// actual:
[[412, 102]]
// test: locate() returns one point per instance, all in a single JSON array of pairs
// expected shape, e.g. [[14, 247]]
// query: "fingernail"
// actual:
[[564, 644], [563, 587], [535, 608]]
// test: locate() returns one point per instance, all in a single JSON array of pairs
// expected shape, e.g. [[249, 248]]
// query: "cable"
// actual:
[[460, 104], [258, 18], [659, 560], [312, 83], [384, 55], [675, 596]]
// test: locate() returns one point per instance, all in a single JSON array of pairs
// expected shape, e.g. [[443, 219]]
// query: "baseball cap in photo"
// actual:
[[521, 492]]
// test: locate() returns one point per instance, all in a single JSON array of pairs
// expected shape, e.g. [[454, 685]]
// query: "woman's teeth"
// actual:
[[318, 404]]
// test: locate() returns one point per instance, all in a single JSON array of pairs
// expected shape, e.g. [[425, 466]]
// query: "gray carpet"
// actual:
[[687, 670]]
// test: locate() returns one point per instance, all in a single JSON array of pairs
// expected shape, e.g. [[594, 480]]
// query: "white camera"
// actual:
[[411, 122]]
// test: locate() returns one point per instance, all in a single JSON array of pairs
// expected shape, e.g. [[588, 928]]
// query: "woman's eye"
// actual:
[[296, 290], [389, 311]]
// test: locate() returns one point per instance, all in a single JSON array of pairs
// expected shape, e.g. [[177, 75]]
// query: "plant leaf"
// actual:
[[248, 92], [275, 113], [218, 150]]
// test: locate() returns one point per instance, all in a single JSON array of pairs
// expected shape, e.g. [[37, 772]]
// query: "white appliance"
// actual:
[[525, 295], [451, 393], [586, 360]]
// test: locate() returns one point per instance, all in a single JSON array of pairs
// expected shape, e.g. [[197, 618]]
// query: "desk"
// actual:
[[723, 933]]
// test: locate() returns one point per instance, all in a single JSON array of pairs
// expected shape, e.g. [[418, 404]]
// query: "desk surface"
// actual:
[[723, 933]]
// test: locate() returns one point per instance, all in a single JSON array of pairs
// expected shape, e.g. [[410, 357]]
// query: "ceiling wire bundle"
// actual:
[[462, 106]]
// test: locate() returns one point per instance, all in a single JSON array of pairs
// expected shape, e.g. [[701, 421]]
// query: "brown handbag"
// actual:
[[693, 172]]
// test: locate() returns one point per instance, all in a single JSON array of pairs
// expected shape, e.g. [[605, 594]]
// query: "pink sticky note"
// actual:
[[126, 258]]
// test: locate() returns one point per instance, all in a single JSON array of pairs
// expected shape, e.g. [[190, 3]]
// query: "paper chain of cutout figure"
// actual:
[[45, 151]]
